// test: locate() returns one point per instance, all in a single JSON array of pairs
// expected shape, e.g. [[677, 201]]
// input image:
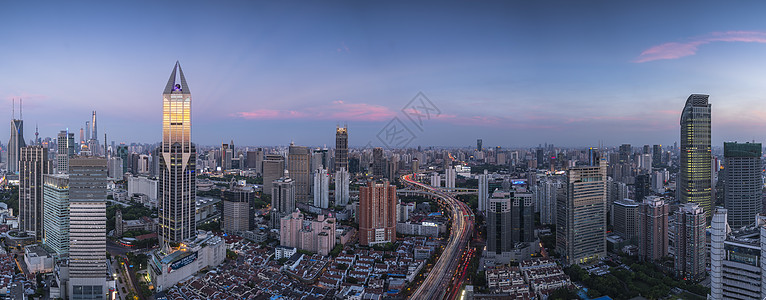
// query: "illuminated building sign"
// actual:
[[183, 262]]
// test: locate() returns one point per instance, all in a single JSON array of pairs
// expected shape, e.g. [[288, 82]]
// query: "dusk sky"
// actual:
[[514, 73]]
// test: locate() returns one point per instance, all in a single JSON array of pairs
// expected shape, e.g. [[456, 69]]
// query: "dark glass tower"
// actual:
[[743, 188], [177, 185], [695, 178], [341, 148]]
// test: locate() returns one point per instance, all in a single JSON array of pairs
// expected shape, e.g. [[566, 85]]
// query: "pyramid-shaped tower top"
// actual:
[[175, 87]]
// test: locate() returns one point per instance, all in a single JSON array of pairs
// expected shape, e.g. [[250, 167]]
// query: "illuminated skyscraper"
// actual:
[[695, 178], [581, 217], [176, 201], [341, 148], [33, 164]]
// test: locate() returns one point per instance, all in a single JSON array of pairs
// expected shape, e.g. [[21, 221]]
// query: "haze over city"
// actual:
[[512, 73]]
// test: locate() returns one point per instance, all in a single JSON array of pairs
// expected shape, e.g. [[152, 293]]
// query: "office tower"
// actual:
[[341, 148], [87, 228], [392, 167], [743, 188], [311, 235], [658, 182], [478, 145], [625, 213], [321, 188], [653, 228], [547, 193], [656, 155], [625, 153], [88, 136], [377, 213], [299, 165], [342, 181], [593, 156], [378, 165], [282, 198], [56, 213], [143, 164], [694, 178], [226, 156], [273, 169], [238, 210], [643, 186], [178, 158], [115, 168], [690, 241], [483, 191], [93, 144], [498, 217], [510, 221], [645, 162], [33, 164], [65, 142], [255, 160], [15, 143], [581, 215], [320, 159], [540, 157], [449, 177], [122, 152]]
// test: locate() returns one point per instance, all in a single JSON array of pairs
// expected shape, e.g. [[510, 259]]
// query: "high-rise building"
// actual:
[[178, 158], [93, 144], [226, 156], [33, 164], [238, 210], [255, 160], [643, 186], [15, 143], [377, 213], [581, 215], [483, 191], [694, 178], [122, 152], [115, 168], [625, 213], [299, 165], [656, 155], [546, 194], [479, 145], [310, 235], [653, 228], [342, 180], [450, 174], [743, 188], [378, 164], [341, 148], [625, 153], [690, 241], [321, 188], [273, 169], [282, 198], [87, 228], [56, 213], [510, 221], [436, 180], [736, 259], [65, 148]]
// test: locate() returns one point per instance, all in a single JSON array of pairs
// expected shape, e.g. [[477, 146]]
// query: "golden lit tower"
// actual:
[[177, 163]]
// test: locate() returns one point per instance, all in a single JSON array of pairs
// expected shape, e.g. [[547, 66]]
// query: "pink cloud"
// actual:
[[337, 111], [674, 50]]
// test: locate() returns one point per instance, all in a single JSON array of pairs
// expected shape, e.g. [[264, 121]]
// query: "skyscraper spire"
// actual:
[[21, 104], [37, 136]]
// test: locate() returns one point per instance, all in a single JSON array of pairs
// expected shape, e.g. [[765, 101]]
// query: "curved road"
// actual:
[[440, 279]]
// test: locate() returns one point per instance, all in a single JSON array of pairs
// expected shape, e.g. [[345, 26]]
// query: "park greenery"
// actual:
[[638, 279]]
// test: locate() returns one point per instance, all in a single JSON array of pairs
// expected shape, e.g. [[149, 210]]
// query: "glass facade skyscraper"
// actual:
[[743, 188], [176, 201], [695, 178]]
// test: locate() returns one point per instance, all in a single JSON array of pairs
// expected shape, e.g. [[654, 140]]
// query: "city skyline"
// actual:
[[541, 73]]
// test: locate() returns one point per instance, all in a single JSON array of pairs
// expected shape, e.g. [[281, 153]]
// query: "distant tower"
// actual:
[[341, 148], [299, 165], [37, 136], [695, 177], [479, 145], [177, 193], [65, 144], [16, 142]]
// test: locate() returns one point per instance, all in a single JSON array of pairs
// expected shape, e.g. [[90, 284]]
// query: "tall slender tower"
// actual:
[[695, 178], [341, 148], [743, 188], [581, 215], [177, 183], [15, 143], [33, 164]]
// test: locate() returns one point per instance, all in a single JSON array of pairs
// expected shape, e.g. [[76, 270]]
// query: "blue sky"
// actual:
[[514, 73]]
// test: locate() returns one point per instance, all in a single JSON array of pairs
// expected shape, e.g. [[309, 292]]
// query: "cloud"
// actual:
[[336, 111], [674, 50]]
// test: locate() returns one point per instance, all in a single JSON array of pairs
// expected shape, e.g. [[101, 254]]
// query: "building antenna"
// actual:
[[21, 102], [13, 109]]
